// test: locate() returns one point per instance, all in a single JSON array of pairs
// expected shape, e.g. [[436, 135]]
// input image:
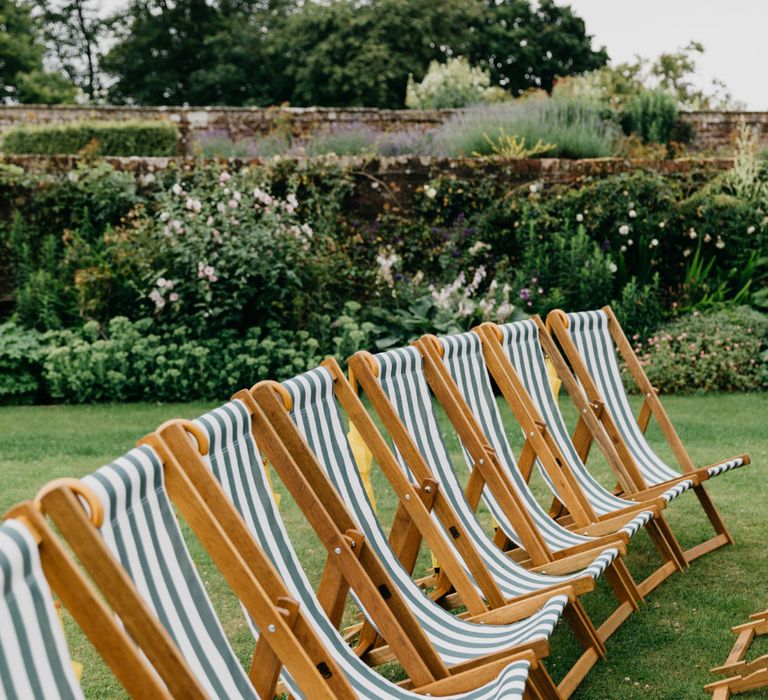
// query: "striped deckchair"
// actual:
[[515, 357], [589, 340], [231, 457], [141, 532], [34, 660]]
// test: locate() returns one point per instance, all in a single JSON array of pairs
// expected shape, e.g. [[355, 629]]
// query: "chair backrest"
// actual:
[[590, 334], [34, 660], [521, 346], [400, 377], [315, 411], [463, 358], [142, 532]]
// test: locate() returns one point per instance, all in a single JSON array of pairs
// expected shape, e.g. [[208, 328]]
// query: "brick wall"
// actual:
[[714, 131]]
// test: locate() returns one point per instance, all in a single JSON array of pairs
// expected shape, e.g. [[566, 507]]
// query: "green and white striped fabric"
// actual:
[[34, 660], [520, 342], [401, 376], [591, 334], [317, 417], [463, 357], [141, 530], [234, 459]]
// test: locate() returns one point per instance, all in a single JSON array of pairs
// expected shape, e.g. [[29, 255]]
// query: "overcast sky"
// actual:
[[733, 32]]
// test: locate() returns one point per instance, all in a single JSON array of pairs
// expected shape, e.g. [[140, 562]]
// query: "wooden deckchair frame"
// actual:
[[169, 678], [742, 675], [475, 443], [630, 477], [364, 368], [552, 458], [287, 636]]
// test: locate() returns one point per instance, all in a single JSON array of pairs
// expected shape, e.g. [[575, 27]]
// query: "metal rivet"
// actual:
[[531, 433], [407, 496], [428, 489], [583, 410], [482, 461], [648, 395], [271, 628], [352, 544], [337, 550]]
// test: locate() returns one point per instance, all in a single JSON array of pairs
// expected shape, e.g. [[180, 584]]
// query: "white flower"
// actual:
[[612, 267], [430, 192], [630, 242], [751, 230], [224, 176], [624, 230], [654, 242], [176, 189], [208, 270], [579, 217], [632, 213], [477, 247], [707, 238], [157, 298], [662, 224], [623, 248], [174, 297], [292, 201], [692, 233], [534, 188], [164, 216], [307, 230], [686, 252], [720, 243]]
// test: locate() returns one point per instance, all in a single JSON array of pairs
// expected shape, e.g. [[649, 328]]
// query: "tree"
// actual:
[[526, 47], [161, 51], [73, 34], [22, 77]]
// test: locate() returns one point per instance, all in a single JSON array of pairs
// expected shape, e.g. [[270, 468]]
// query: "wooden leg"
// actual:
[[722, 538]]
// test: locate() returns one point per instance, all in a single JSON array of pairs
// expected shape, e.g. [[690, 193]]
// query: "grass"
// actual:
[[663, 651]]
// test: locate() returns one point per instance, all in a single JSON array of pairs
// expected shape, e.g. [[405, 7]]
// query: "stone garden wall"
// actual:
[[714, 131]]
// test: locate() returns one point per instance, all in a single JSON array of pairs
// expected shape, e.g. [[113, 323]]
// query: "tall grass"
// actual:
[[578, 128]]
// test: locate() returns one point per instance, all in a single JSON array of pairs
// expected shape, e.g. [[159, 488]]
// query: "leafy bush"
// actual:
[[652, 115], [126, 138], [20, 354], [720, 351], [578, 128], [452, 84]]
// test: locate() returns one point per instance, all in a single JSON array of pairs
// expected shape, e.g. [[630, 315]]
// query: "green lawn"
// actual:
[[663, 651]]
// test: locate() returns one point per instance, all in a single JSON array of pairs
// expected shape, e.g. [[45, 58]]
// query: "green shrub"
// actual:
[[578, 128], [125, 138], [21, 352], [652, 115], [639, 307], [720, 351]]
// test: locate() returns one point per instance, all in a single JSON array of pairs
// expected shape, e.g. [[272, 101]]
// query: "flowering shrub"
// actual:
[[454, 83], [721, 351]]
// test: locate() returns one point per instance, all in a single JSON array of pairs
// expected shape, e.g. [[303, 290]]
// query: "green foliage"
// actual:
[[20, 353], [128, 138], [652, 115], [639, 307], [343, 53], [452, 84], [720, 351], [564, 269], [577, 128]]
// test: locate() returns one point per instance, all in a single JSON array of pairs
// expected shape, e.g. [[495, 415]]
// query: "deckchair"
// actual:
[[34, 659], [140, 531], [588, 339], [742, 675], [514, 354], [311, 401], [229, 470]]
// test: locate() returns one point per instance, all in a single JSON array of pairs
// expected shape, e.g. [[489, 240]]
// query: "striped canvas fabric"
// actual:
[[141, 530], [463, 357], [34, 660], [520, 342], [401, 376], [591, 334], [235, 462], [317, 416]]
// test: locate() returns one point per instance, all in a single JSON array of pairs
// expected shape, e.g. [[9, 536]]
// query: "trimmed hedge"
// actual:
[[124, 138]]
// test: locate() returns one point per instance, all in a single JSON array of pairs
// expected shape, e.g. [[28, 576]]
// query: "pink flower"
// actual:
[[174, 297], [224, 176]]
